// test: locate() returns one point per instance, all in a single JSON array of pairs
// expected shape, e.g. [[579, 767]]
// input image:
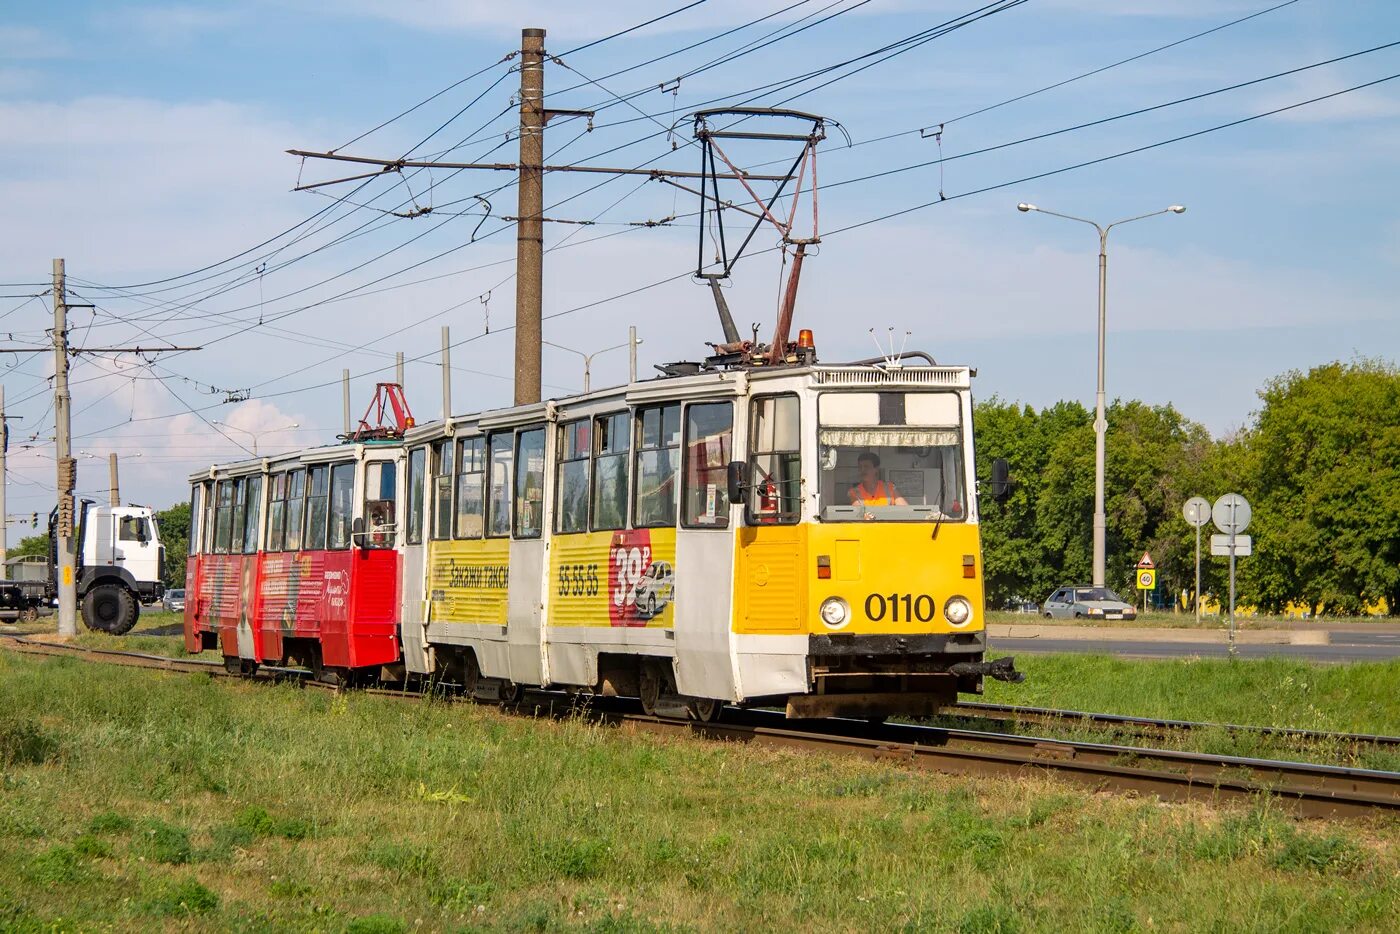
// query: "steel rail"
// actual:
[[1307, 789], [1055, 716]]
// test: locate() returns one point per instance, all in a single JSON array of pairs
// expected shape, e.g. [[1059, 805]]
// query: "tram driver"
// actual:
[[871, 490]]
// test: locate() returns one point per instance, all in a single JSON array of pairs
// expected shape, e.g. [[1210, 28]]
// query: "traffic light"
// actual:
[[34, 520]]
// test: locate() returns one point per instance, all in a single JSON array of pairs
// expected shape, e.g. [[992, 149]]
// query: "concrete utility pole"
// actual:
[[398, 368], [529, 242], [66, 569], [632, 343], [1100, 420], [446, 372], [112, 470], [345, 397]]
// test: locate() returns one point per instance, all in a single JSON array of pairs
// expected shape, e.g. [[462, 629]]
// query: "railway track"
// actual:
[[1152, 726], [1307, 789]]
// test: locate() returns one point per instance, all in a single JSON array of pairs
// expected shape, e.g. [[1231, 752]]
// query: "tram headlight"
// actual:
[[957, 611], [835, 613]]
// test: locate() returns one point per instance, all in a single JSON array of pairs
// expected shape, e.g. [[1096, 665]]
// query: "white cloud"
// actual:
[[27, 42], [170, 25]]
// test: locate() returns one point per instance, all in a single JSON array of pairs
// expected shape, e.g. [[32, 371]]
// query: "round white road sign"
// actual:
[[1231, 513], [1196, 511]]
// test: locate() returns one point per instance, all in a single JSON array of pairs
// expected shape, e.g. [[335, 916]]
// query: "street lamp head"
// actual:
[[1023, 207], [1177, 209]]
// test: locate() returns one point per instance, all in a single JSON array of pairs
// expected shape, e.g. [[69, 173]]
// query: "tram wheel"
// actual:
[[649, 687], [471, 674], [705, 709], [511, 693]]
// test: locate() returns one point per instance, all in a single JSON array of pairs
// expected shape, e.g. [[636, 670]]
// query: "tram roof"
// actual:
[[706, 382]]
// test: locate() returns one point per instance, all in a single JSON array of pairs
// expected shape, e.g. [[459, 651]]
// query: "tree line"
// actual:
[[1319, 462]]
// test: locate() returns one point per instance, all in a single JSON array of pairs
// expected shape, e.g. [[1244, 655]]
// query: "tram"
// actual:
[[802, 536]]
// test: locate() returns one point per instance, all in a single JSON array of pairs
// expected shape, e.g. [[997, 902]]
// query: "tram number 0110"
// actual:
[[900, 607]]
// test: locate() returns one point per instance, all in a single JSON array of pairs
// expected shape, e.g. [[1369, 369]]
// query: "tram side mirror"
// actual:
[[357, 531], [738, 480], [1001, 479]]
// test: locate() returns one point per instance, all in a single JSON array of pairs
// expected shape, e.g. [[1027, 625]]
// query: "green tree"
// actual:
[[30, 545], [174, 526], [1321, 466]]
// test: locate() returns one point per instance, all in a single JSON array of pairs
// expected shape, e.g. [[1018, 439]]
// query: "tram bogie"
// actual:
[[803, 537]]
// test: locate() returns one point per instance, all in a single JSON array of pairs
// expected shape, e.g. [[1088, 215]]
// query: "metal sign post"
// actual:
[[1196, 511], [1232, 513]]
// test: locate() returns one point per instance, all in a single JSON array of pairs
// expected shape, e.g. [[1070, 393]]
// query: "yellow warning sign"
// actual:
[[1146, 579]]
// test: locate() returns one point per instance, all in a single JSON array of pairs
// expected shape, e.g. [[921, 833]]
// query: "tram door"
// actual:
[[705, 552], [413, 609], [527, 552], [376, 592]]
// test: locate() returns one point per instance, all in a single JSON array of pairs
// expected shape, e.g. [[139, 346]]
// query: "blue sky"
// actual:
[[146, 141]]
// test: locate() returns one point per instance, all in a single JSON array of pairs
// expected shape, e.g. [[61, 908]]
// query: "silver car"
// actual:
[[1087, 603], [173, 601]]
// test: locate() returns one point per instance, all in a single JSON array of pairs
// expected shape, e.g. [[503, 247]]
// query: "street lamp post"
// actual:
[[254, 435], [1100, 423], [588, 357]]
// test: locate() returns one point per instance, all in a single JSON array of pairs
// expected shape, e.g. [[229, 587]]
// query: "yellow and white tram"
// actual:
[[800, 536]]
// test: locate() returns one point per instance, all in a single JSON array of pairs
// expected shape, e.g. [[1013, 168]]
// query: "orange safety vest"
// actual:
[[883, 495]]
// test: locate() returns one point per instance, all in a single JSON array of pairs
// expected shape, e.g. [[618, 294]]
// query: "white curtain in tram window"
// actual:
[[889, 437]]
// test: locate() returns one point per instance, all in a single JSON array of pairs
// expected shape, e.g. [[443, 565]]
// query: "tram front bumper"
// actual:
[[884, 674]]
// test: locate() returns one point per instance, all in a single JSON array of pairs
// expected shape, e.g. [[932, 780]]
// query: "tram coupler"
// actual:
[[1000, 669]]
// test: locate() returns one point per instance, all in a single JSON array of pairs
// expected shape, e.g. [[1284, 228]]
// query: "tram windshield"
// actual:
[[891, 456]]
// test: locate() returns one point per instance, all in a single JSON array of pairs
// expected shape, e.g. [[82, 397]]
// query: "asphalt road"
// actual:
[[1348, 645]]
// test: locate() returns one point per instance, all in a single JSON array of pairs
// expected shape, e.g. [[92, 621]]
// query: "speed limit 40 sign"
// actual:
[[1146, 579]]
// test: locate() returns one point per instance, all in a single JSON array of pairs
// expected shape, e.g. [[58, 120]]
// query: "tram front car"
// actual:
[[861, 533]]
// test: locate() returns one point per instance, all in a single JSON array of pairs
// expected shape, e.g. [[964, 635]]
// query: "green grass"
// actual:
[[174, 801], [1359, 697]]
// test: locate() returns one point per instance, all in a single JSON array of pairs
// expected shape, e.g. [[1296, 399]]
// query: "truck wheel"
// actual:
[[110, 608]]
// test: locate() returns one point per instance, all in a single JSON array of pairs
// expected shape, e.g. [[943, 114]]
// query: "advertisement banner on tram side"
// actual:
[[622, 578]]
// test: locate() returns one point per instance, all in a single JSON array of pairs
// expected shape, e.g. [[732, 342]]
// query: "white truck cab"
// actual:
[[121, 565]]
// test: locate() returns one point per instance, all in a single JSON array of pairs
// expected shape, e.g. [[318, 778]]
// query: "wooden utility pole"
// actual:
[[529, 242], [66, 567], [112, 470]]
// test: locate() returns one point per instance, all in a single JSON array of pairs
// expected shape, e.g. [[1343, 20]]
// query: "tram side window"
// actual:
[[381, 502], [529, 483], [416, 463], [658, 457], [240, 509], [498, 500], [318, 507], [571, 489], [196, 510], [709, 441], [276, 511], [471, 470], [612, 436], [250, 518], [342, 505], [775, 492], [442, 489], [296, 503], [223, 517]]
